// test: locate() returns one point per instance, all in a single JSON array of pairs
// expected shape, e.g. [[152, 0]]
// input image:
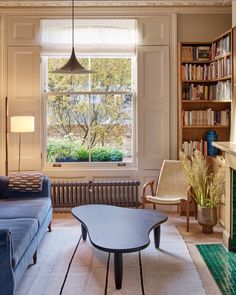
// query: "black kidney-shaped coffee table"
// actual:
[[119, 230]]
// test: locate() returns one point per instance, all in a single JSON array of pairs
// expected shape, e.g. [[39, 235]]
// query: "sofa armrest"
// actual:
[[6, 193], [7, 281]]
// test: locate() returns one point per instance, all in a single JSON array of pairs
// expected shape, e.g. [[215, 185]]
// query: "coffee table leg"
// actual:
[[84, 232], [118, 269], [157, 234]]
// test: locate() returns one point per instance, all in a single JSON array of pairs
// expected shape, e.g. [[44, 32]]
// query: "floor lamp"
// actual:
[[21, 124]]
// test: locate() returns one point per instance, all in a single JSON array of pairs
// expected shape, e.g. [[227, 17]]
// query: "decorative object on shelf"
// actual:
[[211, 136], [73, 66], [206, 188], [21, 124]]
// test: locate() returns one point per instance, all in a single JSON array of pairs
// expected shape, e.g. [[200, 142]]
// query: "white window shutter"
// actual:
[[153, 106], [24, 99]]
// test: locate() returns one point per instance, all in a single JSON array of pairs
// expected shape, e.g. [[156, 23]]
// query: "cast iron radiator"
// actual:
[[67, 194]]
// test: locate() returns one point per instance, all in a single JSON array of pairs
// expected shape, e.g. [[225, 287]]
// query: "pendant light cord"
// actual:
[[73, 21]]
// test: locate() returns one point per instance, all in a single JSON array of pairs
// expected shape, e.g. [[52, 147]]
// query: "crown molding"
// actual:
[[143, 3]]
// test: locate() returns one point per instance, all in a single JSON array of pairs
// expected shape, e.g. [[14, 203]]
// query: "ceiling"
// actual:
[[160, 3]]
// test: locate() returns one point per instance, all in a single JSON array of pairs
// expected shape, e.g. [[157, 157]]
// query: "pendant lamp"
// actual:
[[72, 67]]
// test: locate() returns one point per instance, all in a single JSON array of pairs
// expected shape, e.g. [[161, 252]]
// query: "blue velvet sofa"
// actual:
[[24, 219]]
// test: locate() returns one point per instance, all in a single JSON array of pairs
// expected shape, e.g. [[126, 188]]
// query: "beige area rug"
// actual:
[[196, 236], [166, 271]]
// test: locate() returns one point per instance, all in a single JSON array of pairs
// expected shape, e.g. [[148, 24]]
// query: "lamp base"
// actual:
[[19, 149]]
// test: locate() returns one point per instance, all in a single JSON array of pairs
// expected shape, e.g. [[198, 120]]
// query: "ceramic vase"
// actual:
[[207, 218]]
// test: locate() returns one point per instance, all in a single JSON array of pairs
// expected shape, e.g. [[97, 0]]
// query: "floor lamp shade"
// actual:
[[21, 124]]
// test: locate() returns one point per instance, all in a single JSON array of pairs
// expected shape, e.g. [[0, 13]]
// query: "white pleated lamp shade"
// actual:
[[21, 124]]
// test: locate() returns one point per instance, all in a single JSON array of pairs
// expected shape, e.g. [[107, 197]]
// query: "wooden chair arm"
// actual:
[[146, 185]]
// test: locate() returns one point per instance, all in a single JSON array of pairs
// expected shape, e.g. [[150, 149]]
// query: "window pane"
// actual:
[[66, 83], [67, 128], [92, 127], [79, 130], [111, 127], [111, 74]]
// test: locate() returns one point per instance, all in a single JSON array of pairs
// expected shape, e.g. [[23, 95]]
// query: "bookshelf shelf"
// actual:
[[207, 101], [210, 81], [205, 127], [205, 91], [222, 79], [197, 81], [196, 62]]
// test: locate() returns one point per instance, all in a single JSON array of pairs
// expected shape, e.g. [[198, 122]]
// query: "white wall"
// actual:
[[21, 34], [138, 13], [233, 13], [202, 27]]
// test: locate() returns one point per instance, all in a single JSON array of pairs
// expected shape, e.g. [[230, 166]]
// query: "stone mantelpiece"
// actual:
[[226, 146], [229, 235]]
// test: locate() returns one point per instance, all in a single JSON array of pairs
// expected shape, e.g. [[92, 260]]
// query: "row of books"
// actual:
[[207, 117], [219, 91], [195, 72], [196, 53], [195, 91], [220, 68], [215, 70], [221, 47], [188, 147]]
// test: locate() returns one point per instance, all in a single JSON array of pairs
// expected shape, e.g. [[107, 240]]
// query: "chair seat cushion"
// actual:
[[166, 200], [22, 231], [25, 208]]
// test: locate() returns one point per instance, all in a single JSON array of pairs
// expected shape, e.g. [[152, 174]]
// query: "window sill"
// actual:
[[87, 173]]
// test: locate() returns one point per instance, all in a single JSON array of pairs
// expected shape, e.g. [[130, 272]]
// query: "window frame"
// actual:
[[88, 165]]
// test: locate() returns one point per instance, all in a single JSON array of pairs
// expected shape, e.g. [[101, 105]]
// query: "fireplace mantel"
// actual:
[[229, 234], [230, 152], [226, 146]]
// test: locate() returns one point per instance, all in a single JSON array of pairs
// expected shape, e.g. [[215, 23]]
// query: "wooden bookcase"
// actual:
[[205, 91]]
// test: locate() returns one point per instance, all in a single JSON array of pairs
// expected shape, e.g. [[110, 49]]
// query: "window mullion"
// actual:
[[89, 132], [89, 110]]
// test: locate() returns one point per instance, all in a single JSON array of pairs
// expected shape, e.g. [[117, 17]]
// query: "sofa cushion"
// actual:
[[25, 208], [6, 193], [26, 182], [22, 231]]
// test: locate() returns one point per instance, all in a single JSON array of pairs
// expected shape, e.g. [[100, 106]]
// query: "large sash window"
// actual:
[[90, 118]]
